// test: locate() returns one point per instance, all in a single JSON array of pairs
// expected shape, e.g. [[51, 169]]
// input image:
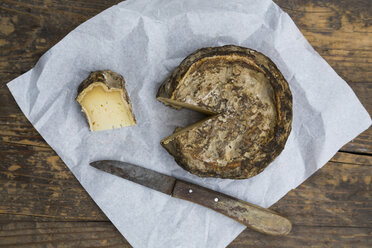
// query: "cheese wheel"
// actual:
[[249, 108]]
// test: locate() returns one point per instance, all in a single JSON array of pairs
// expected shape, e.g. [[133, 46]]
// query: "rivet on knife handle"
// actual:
[[255, 217]]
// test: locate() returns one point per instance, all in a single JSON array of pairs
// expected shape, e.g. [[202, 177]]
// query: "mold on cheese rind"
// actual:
[[250, 104], [105, 102]]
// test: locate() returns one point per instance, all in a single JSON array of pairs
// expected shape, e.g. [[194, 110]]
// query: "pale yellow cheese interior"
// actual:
[[105, 108]]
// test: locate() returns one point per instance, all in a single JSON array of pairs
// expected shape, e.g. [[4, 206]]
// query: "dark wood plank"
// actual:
[[61, 234], [337, 195], [349, 158], [308, 236], [334, 204], [340, 31], [34, 181], [103, 234]]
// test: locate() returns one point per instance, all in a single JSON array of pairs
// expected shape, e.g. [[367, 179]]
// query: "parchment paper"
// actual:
[[144, 40]]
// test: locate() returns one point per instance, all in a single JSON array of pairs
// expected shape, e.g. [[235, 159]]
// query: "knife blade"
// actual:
[[255, 217]]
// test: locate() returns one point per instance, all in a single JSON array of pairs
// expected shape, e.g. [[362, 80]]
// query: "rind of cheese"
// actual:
[[250, 108], [105, 102]]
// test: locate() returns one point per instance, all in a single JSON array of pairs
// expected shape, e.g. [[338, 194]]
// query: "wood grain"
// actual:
[[32, 172], [61, 234], [336, 198], [51, 191], [341, 32], [103, 234], [331, 209], [38, 171], [308, 236]]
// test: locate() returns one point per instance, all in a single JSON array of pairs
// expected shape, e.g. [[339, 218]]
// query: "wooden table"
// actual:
[[43, 205]]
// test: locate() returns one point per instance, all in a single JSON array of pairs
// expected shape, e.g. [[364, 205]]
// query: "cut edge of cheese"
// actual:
[[179, 130], [179, 105], [105, 108]]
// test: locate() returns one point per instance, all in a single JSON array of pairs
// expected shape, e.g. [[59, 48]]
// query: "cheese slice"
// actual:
[[105, 108]]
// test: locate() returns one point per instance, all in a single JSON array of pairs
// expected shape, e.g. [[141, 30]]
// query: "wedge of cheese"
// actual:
[[105, 102]]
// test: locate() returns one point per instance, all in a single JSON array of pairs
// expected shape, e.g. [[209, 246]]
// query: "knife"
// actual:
[[257, 218]]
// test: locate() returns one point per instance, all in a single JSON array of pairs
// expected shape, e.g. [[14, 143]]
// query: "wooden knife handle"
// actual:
[[255, 217]]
